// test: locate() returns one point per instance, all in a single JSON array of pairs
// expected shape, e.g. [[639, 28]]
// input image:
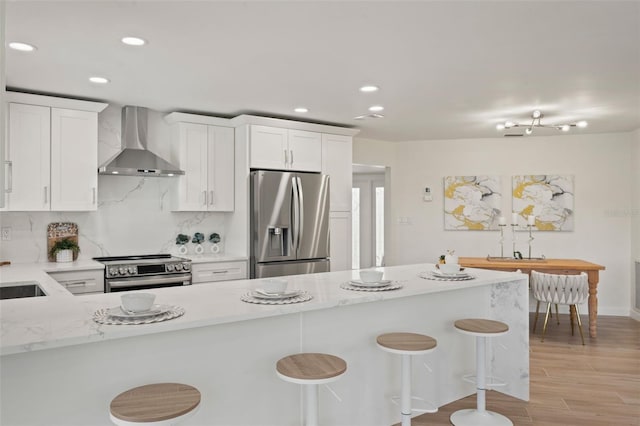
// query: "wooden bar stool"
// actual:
[[407, 345], [311, 370], [159, 404], [481, 329]]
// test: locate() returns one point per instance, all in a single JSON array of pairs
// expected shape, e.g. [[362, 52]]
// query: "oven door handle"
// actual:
[[155, 280]]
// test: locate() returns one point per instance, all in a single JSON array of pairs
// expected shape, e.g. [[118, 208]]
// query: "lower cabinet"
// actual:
[[340, 243], [218, 271], [81, 282]]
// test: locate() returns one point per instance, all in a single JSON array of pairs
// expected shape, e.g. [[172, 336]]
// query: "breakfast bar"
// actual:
[[57, 358]]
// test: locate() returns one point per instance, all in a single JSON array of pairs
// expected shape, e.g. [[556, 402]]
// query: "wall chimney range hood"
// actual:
[[135, 159]]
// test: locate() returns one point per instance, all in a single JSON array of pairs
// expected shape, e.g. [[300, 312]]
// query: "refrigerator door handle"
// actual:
[[300, 209], [295, 238]]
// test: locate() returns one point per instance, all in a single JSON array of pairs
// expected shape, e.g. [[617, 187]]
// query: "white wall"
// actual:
[[134, 213], [635, 217], [603, 175]]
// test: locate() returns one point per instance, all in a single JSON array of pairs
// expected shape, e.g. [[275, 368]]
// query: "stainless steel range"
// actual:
[[124, 273]]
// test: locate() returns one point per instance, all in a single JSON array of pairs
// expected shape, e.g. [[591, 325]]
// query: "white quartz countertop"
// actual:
[[62, 319]]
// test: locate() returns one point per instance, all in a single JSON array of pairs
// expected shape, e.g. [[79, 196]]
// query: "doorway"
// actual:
[[368, 206]]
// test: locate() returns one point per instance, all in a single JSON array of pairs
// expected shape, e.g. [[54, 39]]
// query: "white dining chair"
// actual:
[[559, 289]]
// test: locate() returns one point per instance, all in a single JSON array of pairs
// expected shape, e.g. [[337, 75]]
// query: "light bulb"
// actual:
[[536, 114], [24, 47], [500, 126], [376, 108], [133, 41], [301, 109], [99, 80], [509, 124], [528, 130], [581, 124], [369, 89], [565, 127]]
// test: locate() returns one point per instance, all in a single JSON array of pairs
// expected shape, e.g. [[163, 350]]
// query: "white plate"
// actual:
[[360, 283], [261, 294], [441, 274], [117, 312]]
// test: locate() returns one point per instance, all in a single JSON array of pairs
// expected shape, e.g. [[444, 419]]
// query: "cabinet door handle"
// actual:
[[291, 158], [46, 197], [94, 194], [286, 158], [211, 195], [204, 197], [75, 284], [10, 180], [219, 272]]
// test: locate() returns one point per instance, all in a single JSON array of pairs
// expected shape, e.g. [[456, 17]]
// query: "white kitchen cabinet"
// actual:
[[337, 162], [52, 154], [206, 155], [81, 282], [285, 149], [218, 271], [28, 158], [340, 240], [74, 160]]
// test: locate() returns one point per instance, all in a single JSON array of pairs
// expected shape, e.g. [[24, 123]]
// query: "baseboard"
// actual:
[[635, 314]]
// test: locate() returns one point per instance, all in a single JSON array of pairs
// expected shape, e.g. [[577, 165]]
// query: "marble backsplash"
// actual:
[[134, 213]]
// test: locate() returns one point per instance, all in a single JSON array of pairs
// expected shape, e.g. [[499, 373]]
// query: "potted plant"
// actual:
[[64, 250]]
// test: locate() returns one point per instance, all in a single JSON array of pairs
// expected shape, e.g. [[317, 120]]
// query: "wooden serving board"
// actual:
[[59, 231]]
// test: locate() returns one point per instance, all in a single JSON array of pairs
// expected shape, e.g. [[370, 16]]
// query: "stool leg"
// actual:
[[405, 395], [480, 375], [311, 409], [535, 321]]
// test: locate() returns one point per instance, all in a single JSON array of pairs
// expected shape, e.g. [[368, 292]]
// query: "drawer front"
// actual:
[[219, 271], [81, 282]]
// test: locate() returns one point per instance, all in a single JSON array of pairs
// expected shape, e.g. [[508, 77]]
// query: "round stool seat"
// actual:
[[481, 327], [154, 404], [406, 343], [310, 368]]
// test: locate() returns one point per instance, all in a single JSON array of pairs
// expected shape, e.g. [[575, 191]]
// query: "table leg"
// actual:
[[593, 302]]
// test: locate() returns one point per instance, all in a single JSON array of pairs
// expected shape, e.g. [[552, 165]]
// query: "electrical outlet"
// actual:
[[6, 233]]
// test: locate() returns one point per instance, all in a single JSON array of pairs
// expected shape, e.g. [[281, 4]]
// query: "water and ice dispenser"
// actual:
[[278, 241]]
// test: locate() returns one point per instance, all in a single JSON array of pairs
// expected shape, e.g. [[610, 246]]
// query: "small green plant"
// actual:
[[214, 238], [64, 244], [182, 239], [198, 238]]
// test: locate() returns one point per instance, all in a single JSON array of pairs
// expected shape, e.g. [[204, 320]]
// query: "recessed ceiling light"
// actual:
[[24, 47], [133, 41], [369, 88], [376, 108], [99, 80], [581, 124], [500, 126], [301, 109]]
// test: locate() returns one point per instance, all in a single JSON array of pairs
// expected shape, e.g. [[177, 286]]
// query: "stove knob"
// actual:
[[113, 271], [122, 271], [131, 270], [186, 266], [178, 266], [170, 267]]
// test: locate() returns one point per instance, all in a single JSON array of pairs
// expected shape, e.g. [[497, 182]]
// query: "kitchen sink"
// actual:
[[22, 289]]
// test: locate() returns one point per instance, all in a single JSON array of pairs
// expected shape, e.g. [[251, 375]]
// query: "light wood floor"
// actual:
[[572, 385]]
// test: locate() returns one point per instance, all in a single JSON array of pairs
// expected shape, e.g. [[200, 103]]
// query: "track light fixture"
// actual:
[[536, 117]]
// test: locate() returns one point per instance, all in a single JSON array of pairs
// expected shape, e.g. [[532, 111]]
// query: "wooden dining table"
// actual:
[[550, 266]]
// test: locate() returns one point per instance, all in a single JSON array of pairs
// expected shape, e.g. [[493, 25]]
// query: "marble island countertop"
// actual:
[[61, 319]]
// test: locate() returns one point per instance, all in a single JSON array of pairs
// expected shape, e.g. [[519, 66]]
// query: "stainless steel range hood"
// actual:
[[135, 159]]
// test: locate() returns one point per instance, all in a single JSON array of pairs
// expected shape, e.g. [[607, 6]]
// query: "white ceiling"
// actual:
[[449, 69]]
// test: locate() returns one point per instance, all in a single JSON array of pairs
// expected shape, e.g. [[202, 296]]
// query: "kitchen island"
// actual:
[[56, 358]]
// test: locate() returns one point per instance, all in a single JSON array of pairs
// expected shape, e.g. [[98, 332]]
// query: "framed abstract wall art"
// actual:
[[549, 198], [472, 202]]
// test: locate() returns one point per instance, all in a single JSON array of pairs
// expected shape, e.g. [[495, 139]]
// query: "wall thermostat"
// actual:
[[427, 195]]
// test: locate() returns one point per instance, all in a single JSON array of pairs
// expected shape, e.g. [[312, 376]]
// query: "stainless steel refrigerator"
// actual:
[[289, 223]]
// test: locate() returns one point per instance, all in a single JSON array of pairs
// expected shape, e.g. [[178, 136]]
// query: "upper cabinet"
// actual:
[[206, 154], [336, 162], [51, 154], [285, 149]]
